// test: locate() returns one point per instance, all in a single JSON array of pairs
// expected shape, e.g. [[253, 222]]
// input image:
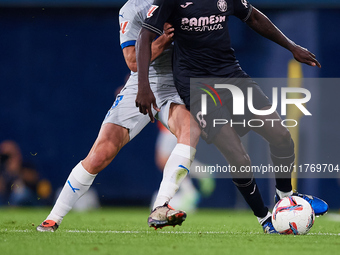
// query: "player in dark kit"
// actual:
[[202, 49]]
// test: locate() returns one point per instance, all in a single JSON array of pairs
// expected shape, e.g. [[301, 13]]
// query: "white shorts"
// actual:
[[125, 113]]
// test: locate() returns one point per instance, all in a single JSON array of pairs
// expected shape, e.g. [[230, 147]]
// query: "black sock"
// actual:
[[283, 158], [252, 195]]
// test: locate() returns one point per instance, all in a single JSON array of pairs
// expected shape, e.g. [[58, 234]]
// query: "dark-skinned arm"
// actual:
[[263, 26], [145, 98], [157, 47]]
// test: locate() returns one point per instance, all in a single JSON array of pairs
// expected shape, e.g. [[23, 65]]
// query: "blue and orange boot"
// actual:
[[319, 206]]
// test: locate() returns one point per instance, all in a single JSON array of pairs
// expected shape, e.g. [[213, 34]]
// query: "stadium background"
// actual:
[[61, 63]]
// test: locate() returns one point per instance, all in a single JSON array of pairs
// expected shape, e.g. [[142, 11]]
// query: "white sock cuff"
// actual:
[[284, 194], [82, 176], [262, 220], [185, 151]]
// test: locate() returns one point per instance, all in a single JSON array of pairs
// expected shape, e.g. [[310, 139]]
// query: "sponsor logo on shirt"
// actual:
[[152, 9], [123, 26], [214, 22], [186, 4], [222, 5]]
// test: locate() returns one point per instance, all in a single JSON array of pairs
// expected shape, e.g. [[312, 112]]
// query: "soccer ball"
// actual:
[[293, 215]]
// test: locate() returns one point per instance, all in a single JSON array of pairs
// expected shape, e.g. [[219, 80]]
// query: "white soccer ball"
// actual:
[[293, 216]]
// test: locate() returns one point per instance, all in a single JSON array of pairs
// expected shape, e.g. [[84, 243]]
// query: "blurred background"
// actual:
[[61, 63]]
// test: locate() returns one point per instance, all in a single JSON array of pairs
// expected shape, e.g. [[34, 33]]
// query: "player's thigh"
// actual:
[[173, 114], [229, 144], [183, 125], [124, 112]]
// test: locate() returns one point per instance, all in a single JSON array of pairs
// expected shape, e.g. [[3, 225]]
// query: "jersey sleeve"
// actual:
[[242, 9], [158, 14], [130, 22]]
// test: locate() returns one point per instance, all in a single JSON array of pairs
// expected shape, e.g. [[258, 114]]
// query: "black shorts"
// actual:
[[219, 104]]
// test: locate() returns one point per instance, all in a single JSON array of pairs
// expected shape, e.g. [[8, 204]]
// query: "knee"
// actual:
[[236, 158], [282, 139], [186, 130], [100, 157], [242, 159], [242, 162]]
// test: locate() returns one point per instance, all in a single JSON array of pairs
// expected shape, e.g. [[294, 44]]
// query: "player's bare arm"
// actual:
[[145, 98], [261, 24], [157, 47]]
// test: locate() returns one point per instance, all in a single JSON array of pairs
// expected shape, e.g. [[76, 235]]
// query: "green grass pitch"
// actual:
[[125, 231]]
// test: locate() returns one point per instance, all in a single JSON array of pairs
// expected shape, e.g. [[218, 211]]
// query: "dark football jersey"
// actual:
[[202, 44]]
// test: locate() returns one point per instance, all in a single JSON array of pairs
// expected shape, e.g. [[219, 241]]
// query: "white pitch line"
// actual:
[[16, 230], [333, 216], [152, 231], [324, 234], [148, 232]]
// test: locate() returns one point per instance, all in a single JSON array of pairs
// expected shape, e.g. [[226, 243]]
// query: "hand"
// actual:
[[168, 31], [145, 98], [304, 56]]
